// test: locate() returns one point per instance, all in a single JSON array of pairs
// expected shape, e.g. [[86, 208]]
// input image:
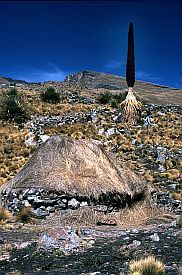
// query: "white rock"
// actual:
[[101, 131], [135, 231], [136, 243], [115, 118], [73, 204], [161, 168], [84, 203], [110, 132], [30, 141], [91, 242], [26, 203], [44, 137], [173, 223], [134, 141], [155, 237]]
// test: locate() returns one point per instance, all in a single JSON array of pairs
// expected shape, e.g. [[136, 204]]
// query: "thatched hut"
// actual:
[[78, 168]]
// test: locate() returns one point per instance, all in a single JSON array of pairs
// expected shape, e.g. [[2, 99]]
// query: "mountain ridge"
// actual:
[[90, 84], [5, 79]]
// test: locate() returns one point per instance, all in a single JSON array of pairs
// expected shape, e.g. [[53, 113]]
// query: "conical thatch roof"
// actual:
[[79, 167]]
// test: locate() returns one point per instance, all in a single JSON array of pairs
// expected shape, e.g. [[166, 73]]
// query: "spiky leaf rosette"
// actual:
[[130, 66], [130, 107]]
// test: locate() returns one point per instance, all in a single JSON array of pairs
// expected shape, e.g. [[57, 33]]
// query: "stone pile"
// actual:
[[43, 202], [37, 123], [164, 199], [73, 97], [168, 108]]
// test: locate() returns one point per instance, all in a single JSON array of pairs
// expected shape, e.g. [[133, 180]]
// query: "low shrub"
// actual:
[[50, 95], [114, 104], [119, 97], [24, 215], [12, 107], [104, 98], [114, 99], [147, 266]]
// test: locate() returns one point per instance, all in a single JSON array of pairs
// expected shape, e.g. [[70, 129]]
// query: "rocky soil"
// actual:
[[155, 154], [41, 249]]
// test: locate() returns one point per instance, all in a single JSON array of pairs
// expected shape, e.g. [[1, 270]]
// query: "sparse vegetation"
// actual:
[[24, 215], [113, 98], [50, 95], [104, 98], [12, 107], [147, 266], [119, 97], [4, 214]]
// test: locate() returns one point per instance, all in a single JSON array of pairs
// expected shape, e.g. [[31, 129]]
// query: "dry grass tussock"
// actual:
[[35, 106], [13, 151], [40, 108], [147, 266], [24, 215], [141, 215], [144, 213], [5, 215]]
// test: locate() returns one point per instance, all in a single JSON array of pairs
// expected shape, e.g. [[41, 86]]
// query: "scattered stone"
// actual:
[[73, 204], [109, 223], [43, 138], [39, 213], [83, 204], [30, 141], [64, 239], [134, 244], [155, 237]]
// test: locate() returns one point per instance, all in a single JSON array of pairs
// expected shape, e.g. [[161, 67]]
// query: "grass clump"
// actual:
[[147, 266], [24, 215], [119, 97], [104, 97], [50, 95], [114, 99], [4, 214], [12, 107]]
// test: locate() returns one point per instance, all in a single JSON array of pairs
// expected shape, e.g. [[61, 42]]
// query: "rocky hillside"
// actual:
[[151, 227], [90, 84], [10, 81], [149, 92]]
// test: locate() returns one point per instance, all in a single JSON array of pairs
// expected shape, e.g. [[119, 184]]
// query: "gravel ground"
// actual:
[[111, 250]]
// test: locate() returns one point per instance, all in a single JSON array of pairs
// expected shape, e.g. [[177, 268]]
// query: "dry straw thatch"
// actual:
[[76, 167]]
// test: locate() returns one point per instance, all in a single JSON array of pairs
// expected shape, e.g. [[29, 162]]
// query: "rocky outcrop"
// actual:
[[94, 80]]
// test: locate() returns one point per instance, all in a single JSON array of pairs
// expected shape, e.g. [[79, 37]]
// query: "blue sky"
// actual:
[[46, 40]]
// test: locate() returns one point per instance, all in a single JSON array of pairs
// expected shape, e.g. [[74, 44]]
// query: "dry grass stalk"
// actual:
[[147, 266], [24, 215], [4, 214], [140, 215], [131, 107]]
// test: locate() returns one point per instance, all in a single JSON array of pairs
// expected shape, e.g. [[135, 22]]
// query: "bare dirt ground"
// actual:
[[103, 249]]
